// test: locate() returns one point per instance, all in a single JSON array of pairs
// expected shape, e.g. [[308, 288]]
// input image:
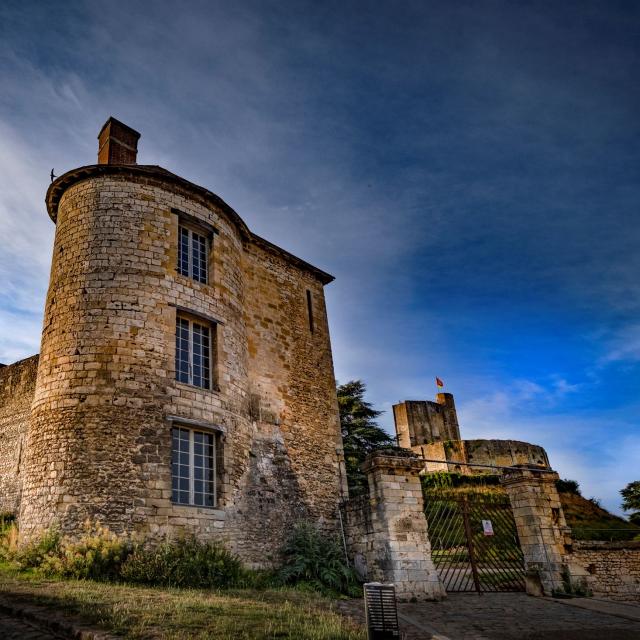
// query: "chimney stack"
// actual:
[[117, 143]]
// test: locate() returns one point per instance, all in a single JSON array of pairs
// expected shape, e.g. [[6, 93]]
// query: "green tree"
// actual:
[[360, 432], [631, 500], [568, 486]]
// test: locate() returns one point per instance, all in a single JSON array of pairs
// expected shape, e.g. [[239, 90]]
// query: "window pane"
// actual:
[[200, 355], [183, 251], [193, 475], [182, 350], [199, 256]]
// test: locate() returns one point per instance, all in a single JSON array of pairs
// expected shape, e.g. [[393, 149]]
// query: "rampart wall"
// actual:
[[610, 570], [456, 455], [17, 386]]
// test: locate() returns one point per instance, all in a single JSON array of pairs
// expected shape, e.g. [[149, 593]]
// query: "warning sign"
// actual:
[[487, 528]]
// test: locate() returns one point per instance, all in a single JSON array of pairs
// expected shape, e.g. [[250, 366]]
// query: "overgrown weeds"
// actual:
[[312, 560], [318, 561], [185, 563]]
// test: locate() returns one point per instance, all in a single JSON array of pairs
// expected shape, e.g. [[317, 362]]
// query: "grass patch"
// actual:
[[138, 612]]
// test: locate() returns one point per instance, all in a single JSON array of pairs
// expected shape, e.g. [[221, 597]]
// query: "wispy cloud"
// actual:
[[623, 346]]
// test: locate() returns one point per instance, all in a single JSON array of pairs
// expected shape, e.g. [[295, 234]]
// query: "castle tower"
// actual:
[[421, 422], [177, 356]]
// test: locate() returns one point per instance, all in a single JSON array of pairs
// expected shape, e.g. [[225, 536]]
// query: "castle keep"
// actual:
[[431, 431], [185, 380]]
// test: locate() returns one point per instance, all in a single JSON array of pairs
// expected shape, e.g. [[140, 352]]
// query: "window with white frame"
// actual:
[[193, 351], [193, 467], [193, 254]]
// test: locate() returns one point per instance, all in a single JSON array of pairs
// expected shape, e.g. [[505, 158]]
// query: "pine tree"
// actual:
[[360, 432], [631, 500]]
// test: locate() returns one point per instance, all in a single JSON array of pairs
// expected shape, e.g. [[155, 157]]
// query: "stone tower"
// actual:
[[185, 379], [422, 421]]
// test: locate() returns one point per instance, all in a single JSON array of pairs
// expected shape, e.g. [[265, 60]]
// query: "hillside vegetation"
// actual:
[[589, 521]]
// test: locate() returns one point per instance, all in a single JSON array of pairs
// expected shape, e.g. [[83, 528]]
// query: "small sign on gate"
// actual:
[[381, 611], [487, 527]]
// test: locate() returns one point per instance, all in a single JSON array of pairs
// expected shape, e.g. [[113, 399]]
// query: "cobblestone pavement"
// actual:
[[504, 616], [16, 629]]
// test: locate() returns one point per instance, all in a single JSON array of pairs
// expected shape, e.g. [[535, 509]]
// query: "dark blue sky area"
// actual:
[[469, 171]]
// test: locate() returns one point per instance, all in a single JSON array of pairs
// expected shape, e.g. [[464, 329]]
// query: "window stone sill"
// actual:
[[189, 510]]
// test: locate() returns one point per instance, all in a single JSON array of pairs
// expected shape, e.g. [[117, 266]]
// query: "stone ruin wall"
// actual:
[[17, 386], [421, 421], [454, 455], [99, 442], [610, 570]]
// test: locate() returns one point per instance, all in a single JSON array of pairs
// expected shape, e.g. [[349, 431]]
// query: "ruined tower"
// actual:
[[422, 421], [185, 379]]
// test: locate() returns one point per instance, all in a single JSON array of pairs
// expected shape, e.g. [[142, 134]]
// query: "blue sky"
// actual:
[[469, 172]]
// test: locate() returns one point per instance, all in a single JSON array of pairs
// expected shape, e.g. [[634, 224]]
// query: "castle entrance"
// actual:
[[474, 541]]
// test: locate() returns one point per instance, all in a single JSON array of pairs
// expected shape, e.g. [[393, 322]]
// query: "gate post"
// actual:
[[399, 550], [542, 529]]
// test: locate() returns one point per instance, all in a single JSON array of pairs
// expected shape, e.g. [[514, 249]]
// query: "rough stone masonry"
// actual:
[[185, 381]]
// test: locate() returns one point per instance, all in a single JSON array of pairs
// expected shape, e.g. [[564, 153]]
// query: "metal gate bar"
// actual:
[[466, 559]]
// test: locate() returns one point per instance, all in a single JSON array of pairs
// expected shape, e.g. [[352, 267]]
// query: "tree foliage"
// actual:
[[568, 486], [631, 500], [361, 434]]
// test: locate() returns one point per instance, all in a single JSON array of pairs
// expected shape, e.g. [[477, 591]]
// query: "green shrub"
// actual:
[[8, 537], [452, 479], [317, 560], [6, 520], [32, 555], [97, 555], [185, 563], [568, 486]]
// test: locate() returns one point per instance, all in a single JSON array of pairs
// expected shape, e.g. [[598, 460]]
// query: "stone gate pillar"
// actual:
[[388, 530], [542, 529]]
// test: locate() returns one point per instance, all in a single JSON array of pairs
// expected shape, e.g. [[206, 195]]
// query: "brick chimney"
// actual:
[[117, 143]]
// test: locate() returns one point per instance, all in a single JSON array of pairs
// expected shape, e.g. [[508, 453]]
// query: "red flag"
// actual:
[[439, 383]]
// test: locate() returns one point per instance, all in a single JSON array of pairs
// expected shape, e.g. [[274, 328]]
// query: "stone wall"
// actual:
[[17, 385], [291, 381], [387, 534], [422, 421], [542, 529], [99, 443], [610, 570], [456, 455]]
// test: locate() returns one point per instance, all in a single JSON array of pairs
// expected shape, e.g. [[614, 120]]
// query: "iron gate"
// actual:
[[474, 542]]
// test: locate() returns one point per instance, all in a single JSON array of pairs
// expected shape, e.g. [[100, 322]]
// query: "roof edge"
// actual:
[[66, 180], [324, 277]]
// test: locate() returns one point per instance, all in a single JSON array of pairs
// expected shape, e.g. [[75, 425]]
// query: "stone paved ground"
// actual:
[[12, 628], [505, 616]]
